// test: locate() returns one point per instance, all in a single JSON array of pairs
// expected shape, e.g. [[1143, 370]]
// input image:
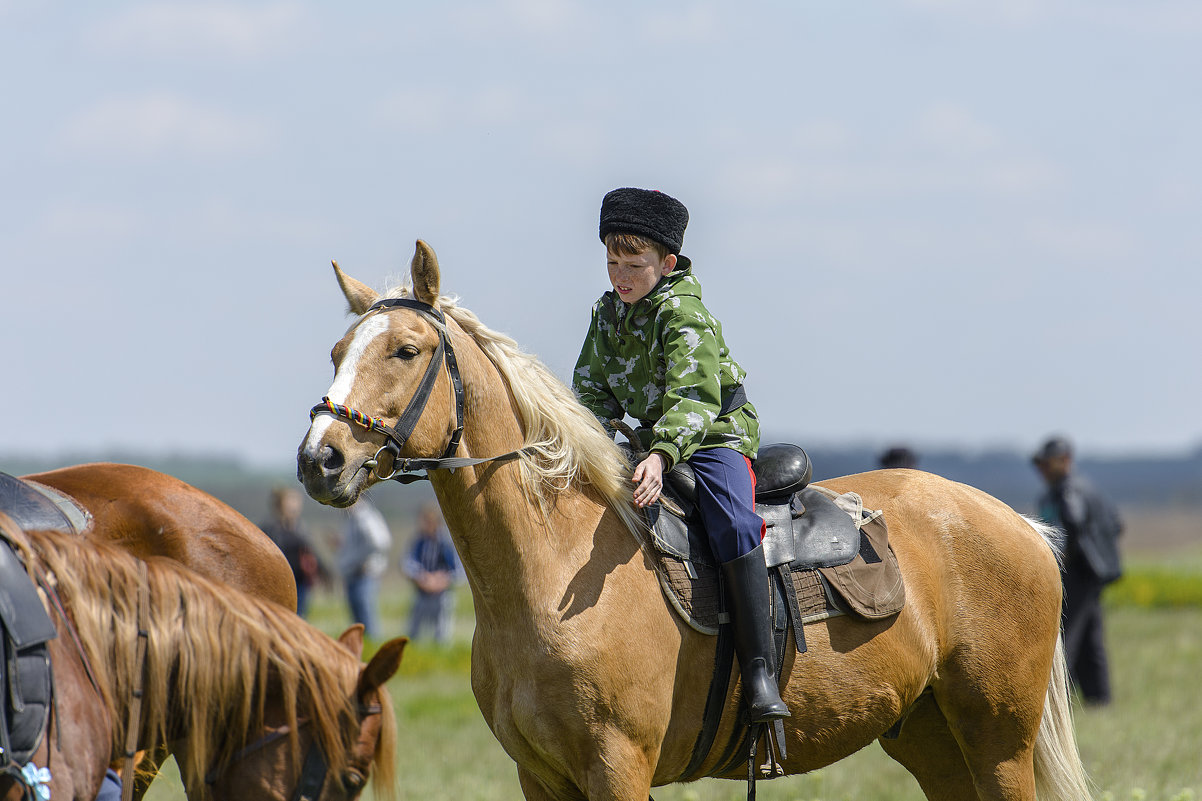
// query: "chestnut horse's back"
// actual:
[[153, 514]]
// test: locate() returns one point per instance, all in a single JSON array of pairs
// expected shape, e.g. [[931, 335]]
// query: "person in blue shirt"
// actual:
[[433, 567]]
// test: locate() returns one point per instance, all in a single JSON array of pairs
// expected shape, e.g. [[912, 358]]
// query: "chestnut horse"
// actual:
[[153, 514], [253, 700], [586, 676]]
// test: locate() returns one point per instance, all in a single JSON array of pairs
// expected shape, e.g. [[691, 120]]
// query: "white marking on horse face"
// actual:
[[345, 376]]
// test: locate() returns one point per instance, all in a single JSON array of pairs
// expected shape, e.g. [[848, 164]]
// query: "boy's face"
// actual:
[[633, 277]]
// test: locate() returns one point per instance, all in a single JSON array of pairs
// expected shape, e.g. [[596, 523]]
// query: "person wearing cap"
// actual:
[[1091, 527], [656, 353]]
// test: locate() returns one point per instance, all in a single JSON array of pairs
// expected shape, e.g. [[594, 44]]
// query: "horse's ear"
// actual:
[[358, 294], [424, 270], [381, 667], [352, 639]]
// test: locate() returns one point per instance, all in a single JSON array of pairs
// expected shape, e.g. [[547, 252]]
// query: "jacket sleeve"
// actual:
[[588, 379], [692, 386]]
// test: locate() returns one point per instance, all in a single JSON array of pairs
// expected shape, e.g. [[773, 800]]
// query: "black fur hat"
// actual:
[[646, 212]]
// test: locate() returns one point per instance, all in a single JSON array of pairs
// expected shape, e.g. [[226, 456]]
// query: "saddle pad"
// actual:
[[695, 594]]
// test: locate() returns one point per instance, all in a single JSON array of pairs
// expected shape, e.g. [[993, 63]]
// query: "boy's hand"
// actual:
[[648, 479]]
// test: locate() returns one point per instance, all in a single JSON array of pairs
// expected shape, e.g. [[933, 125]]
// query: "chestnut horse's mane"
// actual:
[[565, 446], [211, 654]]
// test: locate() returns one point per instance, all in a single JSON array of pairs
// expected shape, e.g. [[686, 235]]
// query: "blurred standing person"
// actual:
[[433, 566], [288, 532], [1091, 527], [898, 456], [362, 558]]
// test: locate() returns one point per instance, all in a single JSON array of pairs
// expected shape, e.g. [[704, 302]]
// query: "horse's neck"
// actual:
[[516, 554]]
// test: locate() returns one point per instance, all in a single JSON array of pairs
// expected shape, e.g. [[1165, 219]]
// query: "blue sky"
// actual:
[[939, 222]]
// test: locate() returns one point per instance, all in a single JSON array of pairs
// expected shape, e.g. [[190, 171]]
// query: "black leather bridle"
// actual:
[[395, 436], [313, 769]]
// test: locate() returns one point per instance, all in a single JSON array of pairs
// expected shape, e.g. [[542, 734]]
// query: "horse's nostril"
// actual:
[[331, 459]]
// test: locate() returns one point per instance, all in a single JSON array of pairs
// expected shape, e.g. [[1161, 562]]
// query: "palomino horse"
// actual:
[[153, 514], [585, 675], [256, 702]]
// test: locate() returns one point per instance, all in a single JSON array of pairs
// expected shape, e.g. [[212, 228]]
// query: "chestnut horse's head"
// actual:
[[290, 761], [391, 398]]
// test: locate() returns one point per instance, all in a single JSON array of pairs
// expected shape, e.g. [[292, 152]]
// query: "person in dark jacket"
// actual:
[[291, 536], [899, 456], [1091, 528]]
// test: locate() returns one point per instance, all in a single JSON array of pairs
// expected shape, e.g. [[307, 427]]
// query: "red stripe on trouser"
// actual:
[[751, 472]]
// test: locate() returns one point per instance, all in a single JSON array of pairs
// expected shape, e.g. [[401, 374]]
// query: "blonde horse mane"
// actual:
[[215, 648], [565, 446]]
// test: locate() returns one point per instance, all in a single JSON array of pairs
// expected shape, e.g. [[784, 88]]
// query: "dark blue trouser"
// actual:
[[726, 500]]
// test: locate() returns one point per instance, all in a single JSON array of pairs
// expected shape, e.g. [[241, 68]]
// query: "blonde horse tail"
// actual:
[[1059, 774]]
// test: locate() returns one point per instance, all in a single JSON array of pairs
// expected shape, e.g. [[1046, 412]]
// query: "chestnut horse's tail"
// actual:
[[1059, 774]]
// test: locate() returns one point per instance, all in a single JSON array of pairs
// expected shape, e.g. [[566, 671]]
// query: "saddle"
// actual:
[[803, 526], [36, 507], [830, 556], [26, 683]]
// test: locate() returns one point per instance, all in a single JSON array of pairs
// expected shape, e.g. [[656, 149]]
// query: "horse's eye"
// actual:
[[406, 352], [353, 780]]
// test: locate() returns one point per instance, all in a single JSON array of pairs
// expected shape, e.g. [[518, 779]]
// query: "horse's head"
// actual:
[[280, 766], [386, 368]]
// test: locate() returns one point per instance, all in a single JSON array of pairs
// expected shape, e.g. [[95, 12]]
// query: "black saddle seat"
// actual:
[[781, 470]]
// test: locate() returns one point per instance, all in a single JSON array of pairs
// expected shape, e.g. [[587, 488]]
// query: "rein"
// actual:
[[395, 436], [135, 707]]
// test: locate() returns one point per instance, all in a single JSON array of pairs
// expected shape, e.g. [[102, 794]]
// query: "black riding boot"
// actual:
[[748, 594]]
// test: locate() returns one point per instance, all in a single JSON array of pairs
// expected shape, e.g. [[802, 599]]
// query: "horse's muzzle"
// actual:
[[322, 470]]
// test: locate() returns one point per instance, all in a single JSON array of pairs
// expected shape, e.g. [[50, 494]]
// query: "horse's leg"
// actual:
[[993, 708], [618, 773], [927, 748], [533, 788]]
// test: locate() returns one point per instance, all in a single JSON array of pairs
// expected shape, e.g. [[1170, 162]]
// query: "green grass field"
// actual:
[[1147, 746]]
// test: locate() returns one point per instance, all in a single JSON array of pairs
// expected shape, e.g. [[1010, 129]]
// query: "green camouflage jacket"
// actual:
[[662, 360]]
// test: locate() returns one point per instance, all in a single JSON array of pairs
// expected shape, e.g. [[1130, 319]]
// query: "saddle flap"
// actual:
[[824, 536], [22, 614], [779, 545]]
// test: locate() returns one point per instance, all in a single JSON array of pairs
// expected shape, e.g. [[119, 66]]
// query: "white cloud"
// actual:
[[943, 150], [159, 125], [952, 129], [557, 22], [1085, 243], [206, 29], [91, 223], [698, 24], [430, 109], [1153, 17]]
